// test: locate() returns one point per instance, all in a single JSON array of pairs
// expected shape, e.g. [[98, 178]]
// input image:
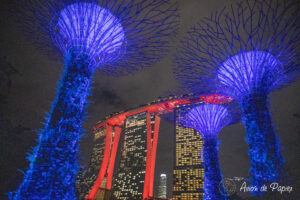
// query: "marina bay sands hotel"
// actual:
[[123, 161]]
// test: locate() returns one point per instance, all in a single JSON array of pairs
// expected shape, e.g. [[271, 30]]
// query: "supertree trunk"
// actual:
[[51, 174], [119, 36], [212, 172], [264, 151]]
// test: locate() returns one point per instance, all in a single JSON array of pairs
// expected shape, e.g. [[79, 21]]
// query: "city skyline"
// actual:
[[29, 83], [125, 146]]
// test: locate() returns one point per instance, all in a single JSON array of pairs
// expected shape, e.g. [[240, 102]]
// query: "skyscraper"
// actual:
[[188, 176], [130, 177], [162, 187], [124, 155], [86, 178]]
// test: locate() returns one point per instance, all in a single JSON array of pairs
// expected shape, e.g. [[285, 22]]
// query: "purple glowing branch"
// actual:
[[89, 29], [208, 119], [248, 72], [117, 36], [270, 26]]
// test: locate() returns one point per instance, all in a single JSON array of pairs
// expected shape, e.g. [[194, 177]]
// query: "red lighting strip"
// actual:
[[163, 107], [216, 99], [153, 156], [113, 157], [148, 158], [102, 171]]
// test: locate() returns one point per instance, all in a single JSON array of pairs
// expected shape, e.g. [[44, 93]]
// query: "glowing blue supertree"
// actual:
[[246, 52], [209, 120], [118, 37]]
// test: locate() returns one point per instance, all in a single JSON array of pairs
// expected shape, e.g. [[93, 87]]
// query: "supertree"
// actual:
[[209, 119], [116, 36], [246, 51]]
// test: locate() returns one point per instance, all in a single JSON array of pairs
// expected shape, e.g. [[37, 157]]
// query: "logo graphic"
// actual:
[[227, 187]]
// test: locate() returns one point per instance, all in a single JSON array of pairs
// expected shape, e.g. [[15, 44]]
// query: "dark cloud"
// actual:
[[296, 115], [106, 96]]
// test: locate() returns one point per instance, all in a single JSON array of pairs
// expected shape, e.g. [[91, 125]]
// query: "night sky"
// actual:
[[28, 82]]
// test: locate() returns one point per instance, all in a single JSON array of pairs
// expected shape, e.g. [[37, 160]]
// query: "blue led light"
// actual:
[[249, 71], [209, 119], [91, 30]]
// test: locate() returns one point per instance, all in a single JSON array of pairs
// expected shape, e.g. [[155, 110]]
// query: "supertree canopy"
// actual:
[[89, 29], [118, 37], [246, 51], [249, 71], [209, 120]]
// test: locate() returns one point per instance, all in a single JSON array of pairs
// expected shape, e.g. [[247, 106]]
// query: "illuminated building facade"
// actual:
[[131, 172], [86, 178], [131, 175], [103, 194], [162, 188], [188, 175]]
